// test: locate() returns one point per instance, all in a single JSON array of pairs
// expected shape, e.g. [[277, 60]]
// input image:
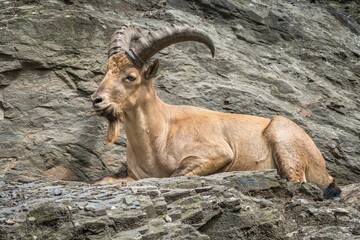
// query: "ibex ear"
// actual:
[[152, 70]]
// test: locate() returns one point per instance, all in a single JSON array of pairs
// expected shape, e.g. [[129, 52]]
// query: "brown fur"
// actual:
[[113, 131], [166, 140]]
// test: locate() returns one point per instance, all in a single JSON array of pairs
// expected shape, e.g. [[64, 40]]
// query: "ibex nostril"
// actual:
[[97, 100]]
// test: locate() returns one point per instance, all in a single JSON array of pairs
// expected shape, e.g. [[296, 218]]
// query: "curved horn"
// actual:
[[147, 46], [121, 39]]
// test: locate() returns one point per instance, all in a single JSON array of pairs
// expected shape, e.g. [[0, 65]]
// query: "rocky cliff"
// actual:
[[299, 59], [238, 205], [292, 58]]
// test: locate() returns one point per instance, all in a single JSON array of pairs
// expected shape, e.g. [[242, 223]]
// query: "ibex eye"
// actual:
[[130, 78]]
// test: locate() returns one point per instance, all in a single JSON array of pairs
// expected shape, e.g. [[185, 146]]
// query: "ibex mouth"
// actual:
[[102, 111], [108, 112]]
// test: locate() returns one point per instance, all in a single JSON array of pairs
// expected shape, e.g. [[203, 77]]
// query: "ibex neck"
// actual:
[[145, 126]]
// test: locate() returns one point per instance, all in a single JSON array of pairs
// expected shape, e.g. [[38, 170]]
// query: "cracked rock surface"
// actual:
[[238, 205], [299, 59]]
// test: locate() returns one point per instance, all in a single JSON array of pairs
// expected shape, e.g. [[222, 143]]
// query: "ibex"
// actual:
[[167, 140]]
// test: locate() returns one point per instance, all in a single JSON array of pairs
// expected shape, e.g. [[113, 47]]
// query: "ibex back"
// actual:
[[166, 140]]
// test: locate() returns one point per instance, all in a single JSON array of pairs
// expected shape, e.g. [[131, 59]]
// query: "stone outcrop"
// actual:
[[238, 205], [278, 57], [292, 58]]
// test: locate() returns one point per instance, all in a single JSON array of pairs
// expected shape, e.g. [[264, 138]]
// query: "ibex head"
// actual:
[[127, 82]]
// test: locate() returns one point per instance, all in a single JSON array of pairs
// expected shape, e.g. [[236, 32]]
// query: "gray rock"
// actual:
[[97, 207], [128, 200], [57, 191], [277, 57], [272, 57], [257, 214]]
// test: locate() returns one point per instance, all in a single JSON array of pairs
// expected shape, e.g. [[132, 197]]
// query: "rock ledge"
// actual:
[[241, 205]]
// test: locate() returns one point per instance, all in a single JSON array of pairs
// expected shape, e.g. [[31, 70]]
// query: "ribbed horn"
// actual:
[[121, 39], [148, 46]]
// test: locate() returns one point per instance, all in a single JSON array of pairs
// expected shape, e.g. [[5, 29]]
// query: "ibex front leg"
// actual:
[[194, 165]]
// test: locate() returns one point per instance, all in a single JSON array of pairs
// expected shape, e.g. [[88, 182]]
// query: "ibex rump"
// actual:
[[166, 140]]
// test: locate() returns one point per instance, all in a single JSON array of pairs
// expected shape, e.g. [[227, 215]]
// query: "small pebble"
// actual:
[[58, 191], [25, 208], [128, 200], [206, 197], [13, 195], [168, 218], [341, 211], [31, 219], [228, 194], [246, 208], [89, 208], [9, 222]]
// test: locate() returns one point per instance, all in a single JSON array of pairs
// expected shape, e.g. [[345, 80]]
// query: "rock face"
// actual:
[[238, 205], [278, 57], [292, 58]]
